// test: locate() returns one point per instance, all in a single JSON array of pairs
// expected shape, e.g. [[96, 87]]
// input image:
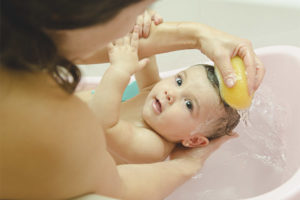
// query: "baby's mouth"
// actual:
[[157, 106]]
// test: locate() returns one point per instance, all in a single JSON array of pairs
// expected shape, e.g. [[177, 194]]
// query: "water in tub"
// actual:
[[247, 166]]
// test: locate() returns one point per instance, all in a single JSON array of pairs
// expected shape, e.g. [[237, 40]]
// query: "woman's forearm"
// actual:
[[166, 37], [157, 180], [170, 36], [218, 46]]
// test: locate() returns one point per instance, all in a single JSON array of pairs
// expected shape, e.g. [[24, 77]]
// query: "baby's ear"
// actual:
[[196, 140]]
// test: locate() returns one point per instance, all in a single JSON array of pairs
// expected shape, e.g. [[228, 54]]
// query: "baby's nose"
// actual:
[[170, 98]]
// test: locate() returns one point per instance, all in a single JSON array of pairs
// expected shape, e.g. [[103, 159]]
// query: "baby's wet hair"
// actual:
[[228, 121]]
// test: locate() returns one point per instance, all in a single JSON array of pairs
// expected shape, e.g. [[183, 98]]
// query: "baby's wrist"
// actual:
[[121, 71]]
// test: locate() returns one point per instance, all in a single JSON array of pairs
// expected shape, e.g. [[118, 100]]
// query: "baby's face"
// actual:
[[177, 105]]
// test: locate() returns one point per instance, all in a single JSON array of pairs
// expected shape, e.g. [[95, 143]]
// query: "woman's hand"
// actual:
[[197, 156], [220, 47], [145, 20], [123, 53]]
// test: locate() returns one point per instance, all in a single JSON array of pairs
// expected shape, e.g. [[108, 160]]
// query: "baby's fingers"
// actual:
[[135, 37], [127, 39], [119, 42]]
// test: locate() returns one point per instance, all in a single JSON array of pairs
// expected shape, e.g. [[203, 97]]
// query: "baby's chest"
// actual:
[[132, 110]]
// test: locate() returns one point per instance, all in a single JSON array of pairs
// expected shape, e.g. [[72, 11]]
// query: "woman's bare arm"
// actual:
[[219, 46], [166, 37], [159, 179]]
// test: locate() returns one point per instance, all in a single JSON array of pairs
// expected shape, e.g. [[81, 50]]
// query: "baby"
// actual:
[[185, 108]]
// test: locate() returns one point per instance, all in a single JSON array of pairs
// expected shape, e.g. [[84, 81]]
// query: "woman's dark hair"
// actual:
[[25, 46], [225, 124]]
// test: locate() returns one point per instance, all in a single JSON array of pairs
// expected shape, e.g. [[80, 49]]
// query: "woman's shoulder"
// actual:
[[48, 116], [46, 111], [50, 135]]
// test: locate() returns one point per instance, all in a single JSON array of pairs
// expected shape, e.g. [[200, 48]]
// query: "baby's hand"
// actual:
[[123, 53]]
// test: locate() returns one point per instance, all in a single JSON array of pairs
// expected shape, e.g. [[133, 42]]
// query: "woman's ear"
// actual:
[[196, 140]]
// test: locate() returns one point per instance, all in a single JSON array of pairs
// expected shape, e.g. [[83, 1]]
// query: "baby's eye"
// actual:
[[178, 80], [189, 104]]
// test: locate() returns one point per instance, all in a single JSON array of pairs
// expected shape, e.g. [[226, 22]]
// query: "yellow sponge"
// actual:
[[237, 96]]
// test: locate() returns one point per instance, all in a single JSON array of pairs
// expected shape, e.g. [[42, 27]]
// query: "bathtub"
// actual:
[[264, 162]]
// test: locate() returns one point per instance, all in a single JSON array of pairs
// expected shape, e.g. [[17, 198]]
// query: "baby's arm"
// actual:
[[124, 63], [148, 75]]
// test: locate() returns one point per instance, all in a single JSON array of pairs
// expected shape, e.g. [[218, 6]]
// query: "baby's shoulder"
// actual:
[[152, 142]]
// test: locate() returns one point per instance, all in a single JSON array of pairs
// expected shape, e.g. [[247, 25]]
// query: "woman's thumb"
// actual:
[[227, 71]]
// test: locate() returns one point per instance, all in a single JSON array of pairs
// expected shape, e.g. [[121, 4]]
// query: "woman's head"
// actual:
[[43, 35], [187, 108]]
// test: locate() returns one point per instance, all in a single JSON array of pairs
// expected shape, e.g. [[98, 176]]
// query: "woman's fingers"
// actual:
[[260, 73], [249, 60], [147, 24], [221, 47], [139, 22], [224, 65], [144, 21], [157, 19], [254, 67]]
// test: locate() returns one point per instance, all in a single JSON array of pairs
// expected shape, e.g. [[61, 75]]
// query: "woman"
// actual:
[[52, 146]]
